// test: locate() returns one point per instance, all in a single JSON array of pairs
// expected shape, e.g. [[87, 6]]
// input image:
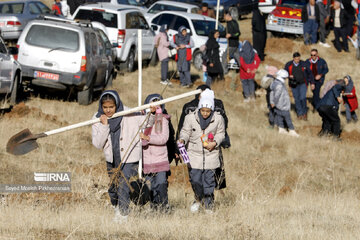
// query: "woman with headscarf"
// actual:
[[156, 160], [162, 45], [115, 137], [183, 43], [203, 132], [214, 68], [350, 100], [249, 63]]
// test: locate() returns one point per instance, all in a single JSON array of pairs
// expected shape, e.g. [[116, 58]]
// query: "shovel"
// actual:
[[24, 141]]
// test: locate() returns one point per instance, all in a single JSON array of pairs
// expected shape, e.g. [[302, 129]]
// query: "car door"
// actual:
[[5, 69], [147, 37], [97, 53], [106, 55]]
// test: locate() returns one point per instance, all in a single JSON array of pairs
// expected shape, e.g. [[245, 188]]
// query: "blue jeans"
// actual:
[[203, 183], [299, 93], [248, 87], [281, 117], [350, 115], [159, 189], [310, 31]]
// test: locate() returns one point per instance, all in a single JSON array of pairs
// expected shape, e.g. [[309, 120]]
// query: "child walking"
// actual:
[[280, 101], [265, 83], [114, 136], [155, 156], [350, 100], [203, 131]]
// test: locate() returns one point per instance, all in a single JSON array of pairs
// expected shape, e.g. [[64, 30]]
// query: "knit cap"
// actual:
[[207, 99]]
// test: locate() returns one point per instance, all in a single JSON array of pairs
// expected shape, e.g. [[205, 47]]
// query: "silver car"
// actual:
[[10, 76], [14, 15]]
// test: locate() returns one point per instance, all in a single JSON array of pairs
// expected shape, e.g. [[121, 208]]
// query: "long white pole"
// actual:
[[217, 15], [139, 66]]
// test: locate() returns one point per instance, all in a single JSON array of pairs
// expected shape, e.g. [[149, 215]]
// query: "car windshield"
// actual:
[[203, 28], [11, 8], [53, 38], [108, 19], [132, 2], [293, 3]]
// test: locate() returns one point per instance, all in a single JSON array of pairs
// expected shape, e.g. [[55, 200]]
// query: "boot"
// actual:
[[293, 133], [282, 131]]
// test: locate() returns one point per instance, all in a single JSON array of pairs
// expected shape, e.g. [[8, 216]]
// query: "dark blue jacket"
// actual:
[[309, 78], [322, 68], [330, 98]]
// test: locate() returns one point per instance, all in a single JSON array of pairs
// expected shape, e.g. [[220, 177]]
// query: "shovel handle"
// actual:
[[122, 113]]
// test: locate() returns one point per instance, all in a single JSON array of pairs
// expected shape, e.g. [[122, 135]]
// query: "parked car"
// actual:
[[160, 6], [235, 7], [286, 17], [122, 26], [65, 55], [14, 15], [199, 26], [10, 75]]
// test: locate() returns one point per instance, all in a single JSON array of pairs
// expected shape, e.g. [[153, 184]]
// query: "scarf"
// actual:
[[350, 86], [114, 124], [181, 39], [247, 52], [314, 61], [163, 29], [155, 96], [204, 123], [211, 42]]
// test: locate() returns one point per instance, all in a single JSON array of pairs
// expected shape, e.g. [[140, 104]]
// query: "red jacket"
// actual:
[[244, 67], [352, 100]]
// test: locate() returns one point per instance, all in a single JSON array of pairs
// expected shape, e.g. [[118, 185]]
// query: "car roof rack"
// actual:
[[85, 23]]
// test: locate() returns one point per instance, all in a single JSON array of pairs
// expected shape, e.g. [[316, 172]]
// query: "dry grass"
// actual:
[[278, 187]]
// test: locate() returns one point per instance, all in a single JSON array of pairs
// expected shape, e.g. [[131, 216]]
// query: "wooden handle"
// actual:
[[122, 113]]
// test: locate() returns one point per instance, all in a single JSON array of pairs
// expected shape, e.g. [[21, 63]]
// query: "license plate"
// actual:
[[51, 76]]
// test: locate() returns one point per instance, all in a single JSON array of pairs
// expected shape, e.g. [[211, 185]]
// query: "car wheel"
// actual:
[[85, 97], [130, 61], [234, 13], [198, 60], [154, 58], [16, 91]]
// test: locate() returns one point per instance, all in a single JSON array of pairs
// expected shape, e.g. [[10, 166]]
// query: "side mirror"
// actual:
[[154, 28], [115, 45], [13, 50]]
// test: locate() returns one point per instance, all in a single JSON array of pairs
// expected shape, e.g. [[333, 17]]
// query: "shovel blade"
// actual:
[[22, 143]]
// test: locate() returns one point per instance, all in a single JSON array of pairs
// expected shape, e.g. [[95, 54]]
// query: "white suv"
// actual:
[[199, 26], [122, 26]]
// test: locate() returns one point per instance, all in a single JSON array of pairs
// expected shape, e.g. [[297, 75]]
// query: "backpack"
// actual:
[[266, 81]]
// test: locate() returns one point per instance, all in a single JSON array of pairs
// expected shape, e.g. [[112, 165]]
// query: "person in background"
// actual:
[[203, 150], [299, 77], [328, 109], [65, 9], [155, 156], [324, 19], [206, 11], [266, 82], [350, 7], [280, 102], [310, 16], [249, 63], [232, 34], [183, 43], [213, 65], [350, 100], [259, 32], [338, 18], [162, 46], [114, 136], [56, 7], [319, 69]]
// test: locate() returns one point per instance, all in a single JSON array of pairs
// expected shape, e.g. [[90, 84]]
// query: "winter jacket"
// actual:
[[330, 98], [155, 153], [232, 27], [279, 96], [163, 45], [189, 45], [213, 55], [322, 69], [305, 14], [308, 77], [129, 126], [200, 157], [352, 100], [244, 67]]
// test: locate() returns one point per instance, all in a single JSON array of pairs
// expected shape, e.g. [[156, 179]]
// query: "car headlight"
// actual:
[[272, 19]]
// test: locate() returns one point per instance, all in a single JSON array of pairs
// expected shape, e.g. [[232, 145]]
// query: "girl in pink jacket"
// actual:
[[162, 45], [115, 137], [155, 156]]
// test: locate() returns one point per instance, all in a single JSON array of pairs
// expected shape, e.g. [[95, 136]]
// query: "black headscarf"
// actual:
[[247, 52], [350, 86], [211, 42], [114, 124], [155, 96], [204, 123]]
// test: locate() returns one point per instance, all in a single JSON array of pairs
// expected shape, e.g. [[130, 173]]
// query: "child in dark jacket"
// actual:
[[350, 100]]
